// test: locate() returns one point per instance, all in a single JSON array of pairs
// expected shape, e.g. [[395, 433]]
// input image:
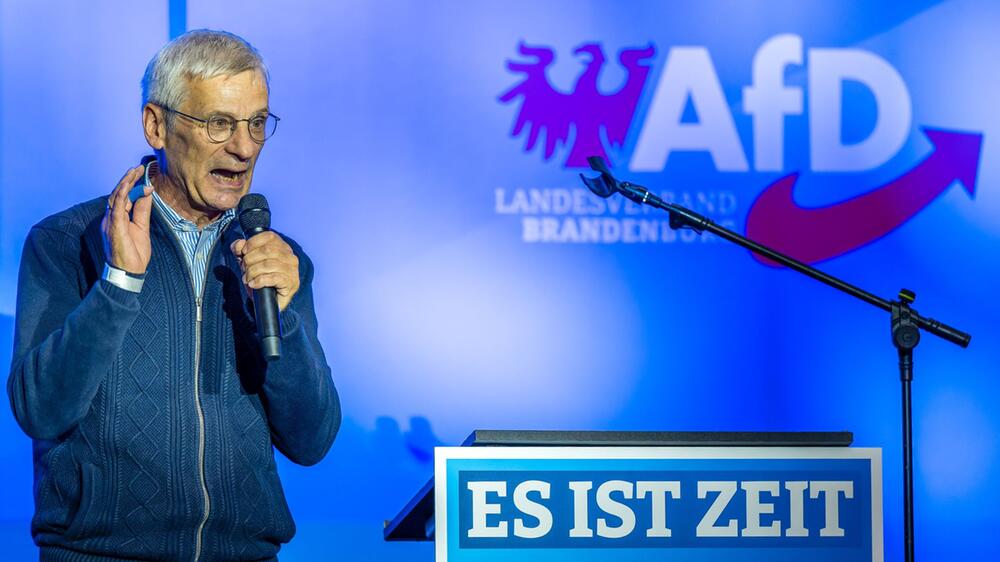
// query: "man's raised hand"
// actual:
[[126, 226]]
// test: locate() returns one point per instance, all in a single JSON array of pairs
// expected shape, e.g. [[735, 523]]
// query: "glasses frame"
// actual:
[[232, 130]]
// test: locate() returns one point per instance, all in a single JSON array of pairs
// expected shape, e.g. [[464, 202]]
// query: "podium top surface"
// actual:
[[536, 438], [415, 520]]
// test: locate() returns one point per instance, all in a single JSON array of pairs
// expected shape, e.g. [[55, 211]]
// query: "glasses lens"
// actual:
[[262, 127], [220, 127]]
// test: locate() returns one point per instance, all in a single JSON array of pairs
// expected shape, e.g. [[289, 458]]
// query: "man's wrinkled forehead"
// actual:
[[227, 93]]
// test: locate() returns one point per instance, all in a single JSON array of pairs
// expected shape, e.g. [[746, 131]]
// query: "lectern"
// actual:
[[640, 496]]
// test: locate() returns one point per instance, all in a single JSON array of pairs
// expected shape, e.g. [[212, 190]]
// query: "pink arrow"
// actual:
[[819, 233]]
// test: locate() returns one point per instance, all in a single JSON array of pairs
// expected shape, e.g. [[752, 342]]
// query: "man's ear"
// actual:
[[154, 125]]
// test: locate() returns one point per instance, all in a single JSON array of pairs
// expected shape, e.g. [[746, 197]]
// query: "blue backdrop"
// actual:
[[466, 281]]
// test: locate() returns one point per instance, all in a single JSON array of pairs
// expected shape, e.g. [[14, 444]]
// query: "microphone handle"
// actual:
[[265, 306]]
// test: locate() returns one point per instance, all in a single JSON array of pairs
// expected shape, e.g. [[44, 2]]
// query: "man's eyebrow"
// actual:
[[228, 114]]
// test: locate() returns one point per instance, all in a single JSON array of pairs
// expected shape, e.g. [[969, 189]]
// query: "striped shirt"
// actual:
[[197, 244]]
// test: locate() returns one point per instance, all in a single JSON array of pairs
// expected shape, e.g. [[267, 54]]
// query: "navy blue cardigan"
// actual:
[[152, 431]]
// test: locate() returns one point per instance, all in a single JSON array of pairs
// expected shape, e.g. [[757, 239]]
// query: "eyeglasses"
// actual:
[[220, 126]]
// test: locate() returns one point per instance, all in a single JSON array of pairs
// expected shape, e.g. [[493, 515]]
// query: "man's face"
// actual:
[[214, 176]]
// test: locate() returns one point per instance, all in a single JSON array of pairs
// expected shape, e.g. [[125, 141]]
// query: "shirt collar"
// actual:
[[178, 223]]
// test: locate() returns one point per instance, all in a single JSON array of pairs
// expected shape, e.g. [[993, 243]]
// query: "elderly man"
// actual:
[[137, 371]]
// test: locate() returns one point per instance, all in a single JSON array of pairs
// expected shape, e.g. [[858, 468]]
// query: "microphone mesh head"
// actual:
[[254, 213], [151, 164]]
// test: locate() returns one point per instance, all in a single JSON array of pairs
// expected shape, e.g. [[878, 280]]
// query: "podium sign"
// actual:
[[627, 504]]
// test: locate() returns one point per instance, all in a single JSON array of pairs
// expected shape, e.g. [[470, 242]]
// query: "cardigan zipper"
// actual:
[[198, 305], [201, 429]]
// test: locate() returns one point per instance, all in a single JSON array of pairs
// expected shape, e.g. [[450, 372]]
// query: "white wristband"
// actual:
[[122, 279]]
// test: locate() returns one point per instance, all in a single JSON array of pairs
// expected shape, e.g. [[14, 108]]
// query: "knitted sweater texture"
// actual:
[[154, 431]]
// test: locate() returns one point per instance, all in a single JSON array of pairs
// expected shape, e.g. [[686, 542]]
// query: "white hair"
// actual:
[[199, 54]]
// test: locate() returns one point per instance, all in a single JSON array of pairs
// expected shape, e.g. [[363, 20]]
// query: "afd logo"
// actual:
[[596, 122]]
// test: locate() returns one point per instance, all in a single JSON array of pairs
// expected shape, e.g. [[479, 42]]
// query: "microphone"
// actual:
[[605, 185], [255, 217], [151, 169]]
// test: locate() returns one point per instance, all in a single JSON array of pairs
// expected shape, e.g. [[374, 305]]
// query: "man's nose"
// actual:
[[240, 144]]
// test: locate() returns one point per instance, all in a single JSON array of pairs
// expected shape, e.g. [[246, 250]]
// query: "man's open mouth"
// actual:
[[231, 177]]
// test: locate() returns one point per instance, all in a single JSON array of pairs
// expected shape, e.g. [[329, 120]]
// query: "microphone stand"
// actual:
[[905, 322]]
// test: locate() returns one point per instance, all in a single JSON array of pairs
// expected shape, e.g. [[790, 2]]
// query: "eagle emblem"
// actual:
[[595, 121]]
